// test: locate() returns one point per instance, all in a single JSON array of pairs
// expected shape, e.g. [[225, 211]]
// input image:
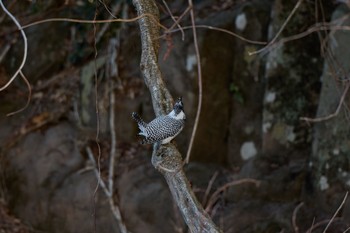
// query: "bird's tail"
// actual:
[[139, 120]]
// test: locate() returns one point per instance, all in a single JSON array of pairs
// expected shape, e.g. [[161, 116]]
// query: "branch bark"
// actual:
[[167, 159], [161, 98]]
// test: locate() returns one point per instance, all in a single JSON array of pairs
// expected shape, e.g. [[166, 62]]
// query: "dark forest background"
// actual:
[[272, 149]]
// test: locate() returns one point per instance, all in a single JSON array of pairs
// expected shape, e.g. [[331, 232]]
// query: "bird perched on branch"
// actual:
[[163, 128]]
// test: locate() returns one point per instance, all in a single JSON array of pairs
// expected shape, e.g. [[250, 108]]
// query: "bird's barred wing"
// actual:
[[161, 128]]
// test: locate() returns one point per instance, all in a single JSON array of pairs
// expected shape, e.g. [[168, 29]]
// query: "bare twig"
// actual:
[[93, 21], [111, 13], [316, 28], [297, 5], [29, 95], [115, 10], [112, 70], [210, 185], [173, 18], [200, 86], [167, 36], [8, 7], [4, 51], [220, 30], [329, 221], [336, 212], [215, 196], [113, 156], [294, 217], [319, 7], [96, 171], [54, 79], [179, 19], [25, 49], [113, 140], [97, 121], [109, 193], [314, 226], [117, 215], [325, 118]]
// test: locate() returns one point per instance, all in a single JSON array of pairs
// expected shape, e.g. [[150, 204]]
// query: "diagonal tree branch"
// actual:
[[161, 98], [167, 159]]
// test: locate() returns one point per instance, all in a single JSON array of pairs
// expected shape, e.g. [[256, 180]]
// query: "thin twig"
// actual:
[[323, 41], [25, 49], [210, 185], [173, 18], [336, 212], [220, 30], [115, 10], [113, 141], [330, 116], [29, 95], [179, 19], [167, 35], [294, 217], [9, 6], [200, 86], [314, 226], [54, 79], [114, 208], [112, 70], [97, 112], [4, 52], [117, 215], [96, 171], [214, 197], [111, 13], [94, 21], [109, 193], [297, 5], [316, 28]]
